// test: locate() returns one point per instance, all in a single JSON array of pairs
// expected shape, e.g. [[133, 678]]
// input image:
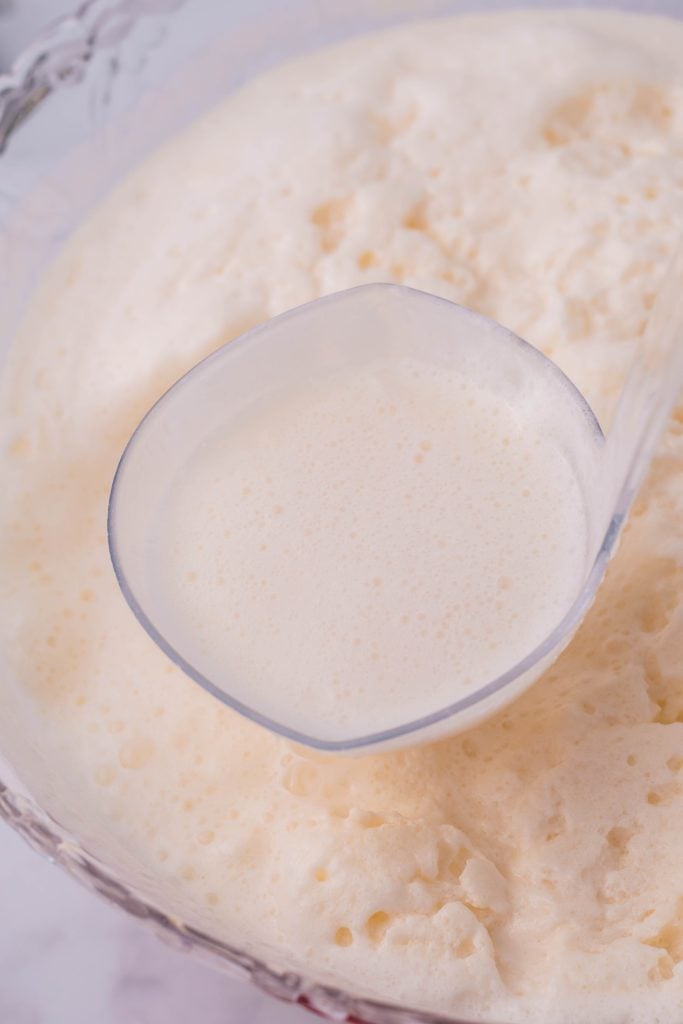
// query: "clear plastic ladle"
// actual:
[[328, 335]]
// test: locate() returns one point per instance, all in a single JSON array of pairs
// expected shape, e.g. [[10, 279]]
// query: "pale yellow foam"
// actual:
[[531, 167]]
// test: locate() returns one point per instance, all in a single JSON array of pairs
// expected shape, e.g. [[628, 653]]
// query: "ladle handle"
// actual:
[[649, 395]]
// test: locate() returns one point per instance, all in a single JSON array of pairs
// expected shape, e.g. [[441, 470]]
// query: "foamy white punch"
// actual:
[[361, 523], [530, 869]]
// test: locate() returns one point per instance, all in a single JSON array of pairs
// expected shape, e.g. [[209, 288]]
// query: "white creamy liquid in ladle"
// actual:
[[359, 553]]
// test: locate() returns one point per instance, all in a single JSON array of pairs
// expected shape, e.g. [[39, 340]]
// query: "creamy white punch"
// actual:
[[358, 553], [530, 869]]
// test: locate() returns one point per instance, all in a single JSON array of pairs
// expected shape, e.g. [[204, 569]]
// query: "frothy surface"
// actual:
[[530, 870], [363, 552]]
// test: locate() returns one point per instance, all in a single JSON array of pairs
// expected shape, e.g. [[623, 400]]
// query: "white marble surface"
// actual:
[[22, 20], [67, 957]]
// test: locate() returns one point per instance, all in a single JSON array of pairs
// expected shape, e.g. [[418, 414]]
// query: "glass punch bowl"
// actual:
[[89, 99]]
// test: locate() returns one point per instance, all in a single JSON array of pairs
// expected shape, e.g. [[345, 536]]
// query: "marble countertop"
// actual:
[[67, 957]]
